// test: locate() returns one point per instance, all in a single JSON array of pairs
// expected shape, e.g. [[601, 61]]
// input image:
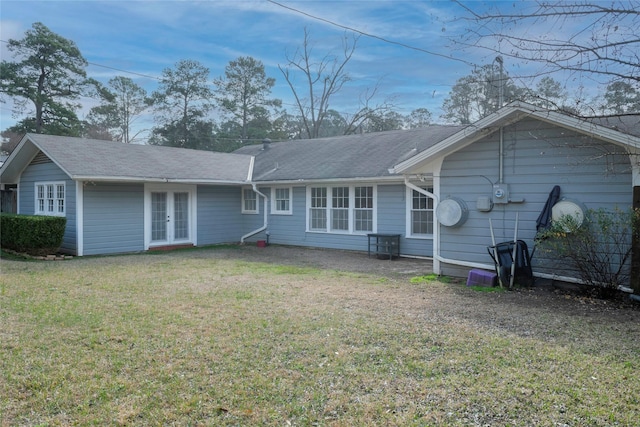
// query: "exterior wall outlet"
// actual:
[[500, 193], [484, 204]]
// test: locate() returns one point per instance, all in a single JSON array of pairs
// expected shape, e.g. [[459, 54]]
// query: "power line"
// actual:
[[125, 71], [373, 36]]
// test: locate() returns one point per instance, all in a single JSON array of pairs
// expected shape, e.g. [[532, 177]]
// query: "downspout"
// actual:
[[266, 221], [492, 268], [436, 229], [437, 258]]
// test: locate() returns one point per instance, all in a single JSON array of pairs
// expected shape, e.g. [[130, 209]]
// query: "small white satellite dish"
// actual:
[[568, 208], [452, 212]]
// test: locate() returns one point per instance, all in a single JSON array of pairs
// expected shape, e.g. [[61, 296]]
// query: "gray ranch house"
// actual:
[[434, 188]]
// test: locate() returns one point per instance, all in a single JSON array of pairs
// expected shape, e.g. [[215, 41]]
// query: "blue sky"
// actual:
[[145, 37]]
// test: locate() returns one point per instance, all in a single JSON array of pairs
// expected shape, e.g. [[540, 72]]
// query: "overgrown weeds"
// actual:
[[597, 247]]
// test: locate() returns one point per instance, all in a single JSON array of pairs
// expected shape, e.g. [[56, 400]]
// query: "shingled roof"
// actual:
[[90, 159], [364, 156], [369, 155]]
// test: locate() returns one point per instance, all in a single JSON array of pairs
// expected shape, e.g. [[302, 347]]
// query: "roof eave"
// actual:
[[142, 180], [9, 171], [299, 181], [504, 117]]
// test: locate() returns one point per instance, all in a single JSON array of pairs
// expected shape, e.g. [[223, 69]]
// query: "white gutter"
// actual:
[[138, 180], [420, 190], [566, 279], [463, 263], [355, 180], [436, 224], [266, 221]]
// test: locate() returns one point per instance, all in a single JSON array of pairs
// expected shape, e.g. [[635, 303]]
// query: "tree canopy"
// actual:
[[181, 105], [243, 93], [45, 82]]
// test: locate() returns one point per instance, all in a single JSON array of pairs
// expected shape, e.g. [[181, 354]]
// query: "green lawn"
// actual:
[[178, 339]]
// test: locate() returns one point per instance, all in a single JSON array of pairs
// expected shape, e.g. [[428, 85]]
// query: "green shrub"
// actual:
[[598, 249], [33, 234]]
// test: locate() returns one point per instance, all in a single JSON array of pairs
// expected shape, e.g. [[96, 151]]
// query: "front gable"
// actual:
[[506, 170], [45, 189], [512, 114]]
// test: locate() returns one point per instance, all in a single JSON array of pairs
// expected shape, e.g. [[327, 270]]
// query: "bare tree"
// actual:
[[604, 47], [122, 104], [322, 80]]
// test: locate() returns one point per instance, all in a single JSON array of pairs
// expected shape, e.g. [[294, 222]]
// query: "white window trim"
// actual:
[[36, 207], [249, 211], [274, 205], [409, 210], [351, 230]]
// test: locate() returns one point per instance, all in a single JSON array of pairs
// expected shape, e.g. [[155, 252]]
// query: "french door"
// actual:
[[169, 216]]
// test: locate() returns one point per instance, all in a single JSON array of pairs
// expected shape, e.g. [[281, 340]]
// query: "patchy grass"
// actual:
[[178, 339], [427, 278]]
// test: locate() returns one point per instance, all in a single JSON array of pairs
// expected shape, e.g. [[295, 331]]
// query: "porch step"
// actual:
[[170, 247]]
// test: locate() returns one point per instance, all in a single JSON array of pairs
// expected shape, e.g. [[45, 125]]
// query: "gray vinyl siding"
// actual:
[[113, 218], [219, 218], [50, 172], [291, 229], [392, 219], [537, 156]]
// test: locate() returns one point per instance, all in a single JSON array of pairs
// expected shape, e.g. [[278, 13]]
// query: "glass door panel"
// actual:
[[159, 219], [181, 216]]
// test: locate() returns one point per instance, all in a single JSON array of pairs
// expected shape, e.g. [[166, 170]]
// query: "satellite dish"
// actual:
[[569, 208], [452, 212]]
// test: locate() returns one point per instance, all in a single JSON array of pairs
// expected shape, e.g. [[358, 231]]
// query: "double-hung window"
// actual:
[[50, 198], [421, 211], [318, 209], [281, 201], [341, 209], [363, 209], [249, 201]]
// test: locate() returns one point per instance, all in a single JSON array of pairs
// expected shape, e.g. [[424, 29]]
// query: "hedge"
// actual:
[[33, 234]]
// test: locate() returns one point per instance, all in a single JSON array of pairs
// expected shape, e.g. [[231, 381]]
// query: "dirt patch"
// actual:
[[519, 311]]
